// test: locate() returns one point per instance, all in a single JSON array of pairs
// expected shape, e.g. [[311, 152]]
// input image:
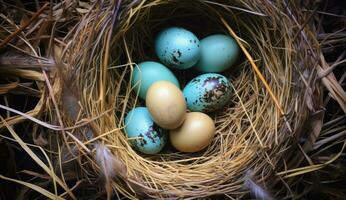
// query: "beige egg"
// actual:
[[166, 104], [195, 134]]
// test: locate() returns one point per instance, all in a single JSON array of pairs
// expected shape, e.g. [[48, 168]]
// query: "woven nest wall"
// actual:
[[254, 133]]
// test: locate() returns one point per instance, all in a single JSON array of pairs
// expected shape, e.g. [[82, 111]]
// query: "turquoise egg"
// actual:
[[143, 133], [148, 73], [207, 92], [177, 48], [218, 53]]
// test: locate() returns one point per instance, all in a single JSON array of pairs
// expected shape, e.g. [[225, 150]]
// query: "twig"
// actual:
[[10, 37]]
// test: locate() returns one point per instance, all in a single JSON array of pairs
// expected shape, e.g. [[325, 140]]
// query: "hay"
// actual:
[[274, 90], [251, 133]]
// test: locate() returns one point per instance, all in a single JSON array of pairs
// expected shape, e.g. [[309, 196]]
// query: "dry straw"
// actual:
[[256, 135]]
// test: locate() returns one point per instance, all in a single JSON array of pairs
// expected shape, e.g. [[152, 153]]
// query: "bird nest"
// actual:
[[254, 132]]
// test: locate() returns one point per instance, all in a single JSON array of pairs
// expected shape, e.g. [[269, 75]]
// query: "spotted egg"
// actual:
[[143, 133], [207, 92], [177, 48]]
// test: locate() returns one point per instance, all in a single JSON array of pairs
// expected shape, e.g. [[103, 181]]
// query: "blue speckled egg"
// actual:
[[149, 72], [177, 48], [207, 92], [218, 53], [143, 133]]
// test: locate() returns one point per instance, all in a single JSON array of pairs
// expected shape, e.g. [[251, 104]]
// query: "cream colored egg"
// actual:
[[166, 104], [195, 134]]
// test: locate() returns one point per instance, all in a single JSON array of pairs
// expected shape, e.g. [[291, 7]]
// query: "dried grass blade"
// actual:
[[10, 37], [236, 8], [311, 168], [27, 116], [254, 66], [248, 116], [34, 187], [5, 88], [37, 159], [23, 73]]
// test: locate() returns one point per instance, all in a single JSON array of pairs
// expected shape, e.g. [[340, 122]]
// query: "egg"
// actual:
[[148, 73], [195, 134], [218, 53], [143, 133], [207, 92], [166, 104], [177, 48]]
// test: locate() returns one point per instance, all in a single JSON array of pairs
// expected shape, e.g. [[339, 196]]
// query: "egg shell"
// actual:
[[195, 134], [207, 92], [143, 133], [218, 53], [166, 104], [177, 48], [148, 73]]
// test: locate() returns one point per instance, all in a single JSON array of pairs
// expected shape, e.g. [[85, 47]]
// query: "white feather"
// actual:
[[255, 189]]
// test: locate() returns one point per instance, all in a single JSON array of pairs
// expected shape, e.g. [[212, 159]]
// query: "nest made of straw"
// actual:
[[269, 106], [253, 135]]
